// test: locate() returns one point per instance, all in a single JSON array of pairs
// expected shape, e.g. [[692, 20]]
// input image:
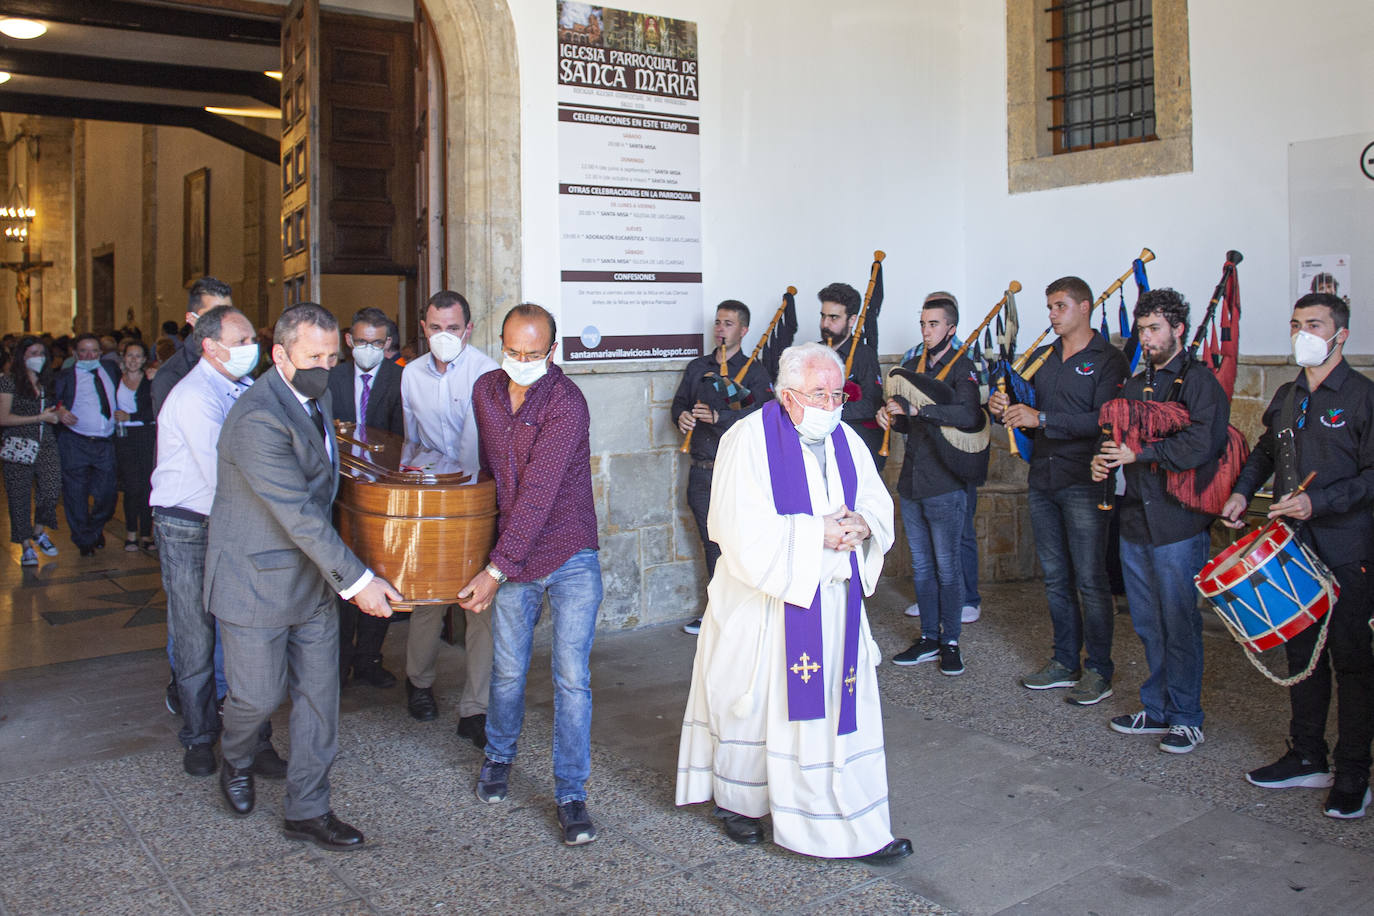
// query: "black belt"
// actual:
[[186, 515]]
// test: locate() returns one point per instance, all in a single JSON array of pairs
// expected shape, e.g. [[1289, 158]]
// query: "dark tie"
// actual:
[[100, 391], [318, 416], [362, 401]]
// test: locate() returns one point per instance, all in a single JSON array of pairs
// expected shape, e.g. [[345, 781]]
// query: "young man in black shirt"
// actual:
[[1329, 409], [934, 487], [702, 407], [1083, 371], [840, 304], [1163, 543]]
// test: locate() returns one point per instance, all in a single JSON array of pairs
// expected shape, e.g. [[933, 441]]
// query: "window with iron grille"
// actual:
[[1102, 73]]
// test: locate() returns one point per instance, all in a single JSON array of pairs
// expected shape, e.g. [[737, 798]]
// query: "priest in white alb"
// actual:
[[783, 716]]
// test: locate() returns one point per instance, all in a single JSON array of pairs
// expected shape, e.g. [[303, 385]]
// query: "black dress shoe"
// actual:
[[268, 764], [373, 676], [237, 786], [897, 849], [741, 829], [100, 540], [325, 831], [474, 728], [87, 550], [199, 760], [420, 702]]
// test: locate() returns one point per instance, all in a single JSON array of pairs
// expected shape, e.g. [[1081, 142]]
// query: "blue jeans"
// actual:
[[1159, 585], [197, 655], [969, 546], [934, 532], [1071, 544], [88, 485], [574, 591]]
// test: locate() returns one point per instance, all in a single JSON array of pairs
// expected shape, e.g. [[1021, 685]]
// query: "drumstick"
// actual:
[[1274, 523]]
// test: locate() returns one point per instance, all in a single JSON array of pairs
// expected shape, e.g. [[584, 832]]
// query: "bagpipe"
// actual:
[[919, 389], [1139, 423], [1014, 378], [867, 328], [772, 342]]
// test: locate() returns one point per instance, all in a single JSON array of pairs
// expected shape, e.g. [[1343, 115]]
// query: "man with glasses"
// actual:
[[703, 408], [535, 430], [840, 305], [436, 395], [366, 390], [783, 715]]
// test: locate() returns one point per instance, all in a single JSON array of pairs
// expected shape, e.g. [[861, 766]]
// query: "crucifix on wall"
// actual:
[[24, 269]]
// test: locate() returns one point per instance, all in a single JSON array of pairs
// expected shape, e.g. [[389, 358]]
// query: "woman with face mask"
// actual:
[[29, 448], [135, 443]]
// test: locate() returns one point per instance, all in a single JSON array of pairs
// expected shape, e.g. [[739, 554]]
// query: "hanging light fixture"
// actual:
[[22, 29]]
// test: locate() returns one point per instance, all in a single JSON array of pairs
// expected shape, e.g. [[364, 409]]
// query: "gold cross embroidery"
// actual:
[[851, 680], [805, 667]]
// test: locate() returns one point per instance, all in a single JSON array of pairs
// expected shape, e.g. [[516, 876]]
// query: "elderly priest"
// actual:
[[783, 713]]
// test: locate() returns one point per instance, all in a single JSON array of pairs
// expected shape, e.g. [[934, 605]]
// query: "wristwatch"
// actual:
[[1043, 424], [496, 573]]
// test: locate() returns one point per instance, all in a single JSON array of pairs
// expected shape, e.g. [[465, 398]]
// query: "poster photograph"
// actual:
[[629, 185]]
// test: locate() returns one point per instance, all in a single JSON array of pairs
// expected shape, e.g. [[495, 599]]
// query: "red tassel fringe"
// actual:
[[1182, 485]]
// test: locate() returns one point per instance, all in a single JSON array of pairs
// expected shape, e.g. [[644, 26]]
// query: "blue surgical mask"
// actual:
[[88, 365]]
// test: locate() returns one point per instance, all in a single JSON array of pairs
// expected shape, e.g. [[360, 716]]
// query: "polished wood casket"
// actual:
[[412, 514]]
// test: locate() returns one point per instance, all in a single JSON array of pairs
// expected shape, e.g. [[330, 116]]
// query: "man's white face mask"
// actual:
[[817, 423]]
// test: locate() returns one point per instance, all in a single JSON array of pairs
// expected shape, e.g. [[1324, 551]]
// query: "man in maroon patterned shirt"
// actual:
[[533, 427]]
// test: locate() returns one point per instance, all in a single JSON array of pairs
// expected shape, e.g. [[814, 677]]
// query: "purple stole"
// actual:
[[802, 625]]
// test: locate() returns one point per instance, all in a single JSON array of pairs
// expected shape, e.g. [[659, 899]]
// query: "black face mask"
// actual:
[[311, 382]]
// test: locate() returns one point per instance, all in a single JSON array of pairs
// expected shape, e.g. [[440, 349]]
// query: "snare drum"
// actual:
[[1268, 587]]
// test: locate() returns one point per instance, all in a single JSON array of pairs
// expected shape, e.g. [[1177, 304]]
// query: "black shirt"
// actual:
[[1070, 394], [1334, 435], [1148, 514], [868, 376], [930, 467], [696, 387], [173, 369]]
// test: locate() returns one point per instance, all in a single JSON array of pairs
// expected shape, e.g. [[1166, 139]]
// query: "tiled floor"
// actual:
[[1014, 800]]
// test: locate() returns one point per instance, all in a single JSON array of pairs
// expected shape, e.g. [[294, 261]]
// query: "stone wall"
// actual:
[[651, 558]]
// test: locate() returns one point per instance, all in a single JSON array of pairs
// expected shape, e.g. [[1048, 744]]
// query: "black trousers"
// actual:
[[360, 637], [1349, 656], [699, 501]]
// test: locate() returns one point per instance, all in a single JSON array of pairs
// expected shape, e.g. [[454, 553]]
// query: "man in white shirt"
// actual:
[[183, 491], [85, 444], [436, 394]]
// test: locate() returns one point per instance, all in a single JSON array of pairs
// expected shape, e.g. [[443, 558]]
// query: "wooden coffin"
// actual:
[[412, 515]]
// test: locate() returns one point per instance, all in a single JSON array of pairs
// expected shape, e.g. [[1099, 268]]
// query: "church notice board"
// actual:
[[629, 185]]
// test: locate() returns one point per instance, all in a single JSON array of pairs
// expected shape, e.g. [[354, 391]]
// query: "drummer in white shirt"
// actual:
[[436, 395]]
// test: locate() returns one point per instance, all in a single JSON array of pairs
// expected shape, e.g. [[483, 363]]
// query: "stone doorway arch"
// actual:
[[476, 40]]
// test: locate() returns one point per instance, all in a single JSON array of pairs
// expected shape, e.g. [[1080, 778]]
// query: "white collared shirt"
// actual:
[[438, 406], [86, 403], [188, 436], [329, 445]]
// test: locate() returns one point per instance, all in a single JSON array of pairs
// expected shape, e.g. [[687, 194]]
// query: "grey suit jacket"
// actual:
[[273, 556]]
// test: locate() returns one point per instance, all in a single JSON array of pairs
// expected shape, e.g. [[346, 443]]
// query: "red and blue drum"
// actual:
[[1268, 587]]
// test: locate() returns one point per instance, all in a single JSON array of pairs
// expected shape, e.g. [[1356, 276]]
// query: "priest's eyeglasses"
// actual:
[[520, 357], [827, 400], [378, 345]]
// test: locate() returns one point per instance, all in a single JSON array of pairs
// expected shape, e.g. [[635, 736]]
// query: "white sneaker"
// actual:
[[29, 558], [913, 610], [971, 613], [46, 545], [692, 627]]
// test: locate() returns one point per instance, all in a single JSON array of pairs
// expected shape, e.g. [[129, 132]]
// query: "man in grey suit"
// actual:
[[273, 567]]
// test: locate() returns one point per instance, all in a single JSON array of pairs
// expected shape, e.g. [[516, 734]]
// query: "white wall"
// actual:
[[114, 214], [826, 134], [1264, 75], [829, 130]]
